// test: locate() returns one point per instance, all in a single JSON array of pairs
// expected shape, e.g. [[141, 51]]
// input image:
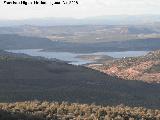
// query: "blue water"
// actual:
[[72, 57]]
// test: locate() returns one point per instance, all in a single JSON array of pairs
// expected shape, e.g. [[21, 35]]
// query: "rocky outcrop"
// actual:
[[145, 68]]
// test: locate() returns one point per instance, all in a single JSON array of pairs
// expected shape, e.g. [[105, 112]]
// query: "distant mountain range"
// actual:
[[101, 20]]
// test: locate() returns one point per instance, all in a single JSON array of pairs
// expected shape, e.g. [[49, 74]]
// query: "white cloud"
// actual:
[[85, 8]]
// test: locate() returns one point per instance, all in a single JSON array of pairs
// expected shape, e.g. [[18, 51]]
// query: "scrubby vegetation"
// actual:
[[154, 69], [35, 110]]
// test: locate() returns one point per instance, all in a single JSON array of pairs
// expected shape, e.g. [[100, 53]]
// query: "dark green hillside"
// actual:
[[154, 69], [11, 41], [30, 78]]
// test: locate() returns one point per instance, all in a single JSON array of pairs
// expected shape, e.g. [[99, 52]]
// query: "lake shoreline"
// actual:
[[75, 59]]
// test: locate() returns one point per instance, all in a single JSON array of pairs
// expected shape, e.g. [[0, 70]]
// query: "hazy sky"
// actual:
[[85, 8]]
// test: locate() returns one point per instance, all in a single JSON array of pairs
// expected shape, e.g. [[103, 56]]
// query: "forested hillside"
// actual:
[[24, 79]]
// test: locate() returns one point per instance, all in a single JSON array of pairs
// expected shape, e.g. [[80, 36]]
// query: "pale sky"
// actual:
[[85, 8]]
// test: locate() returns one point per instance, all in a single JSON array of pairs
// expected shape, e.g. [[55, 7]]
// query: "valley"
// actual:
[[28, 78], [80, 72], [82, 38], [79, 58]]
